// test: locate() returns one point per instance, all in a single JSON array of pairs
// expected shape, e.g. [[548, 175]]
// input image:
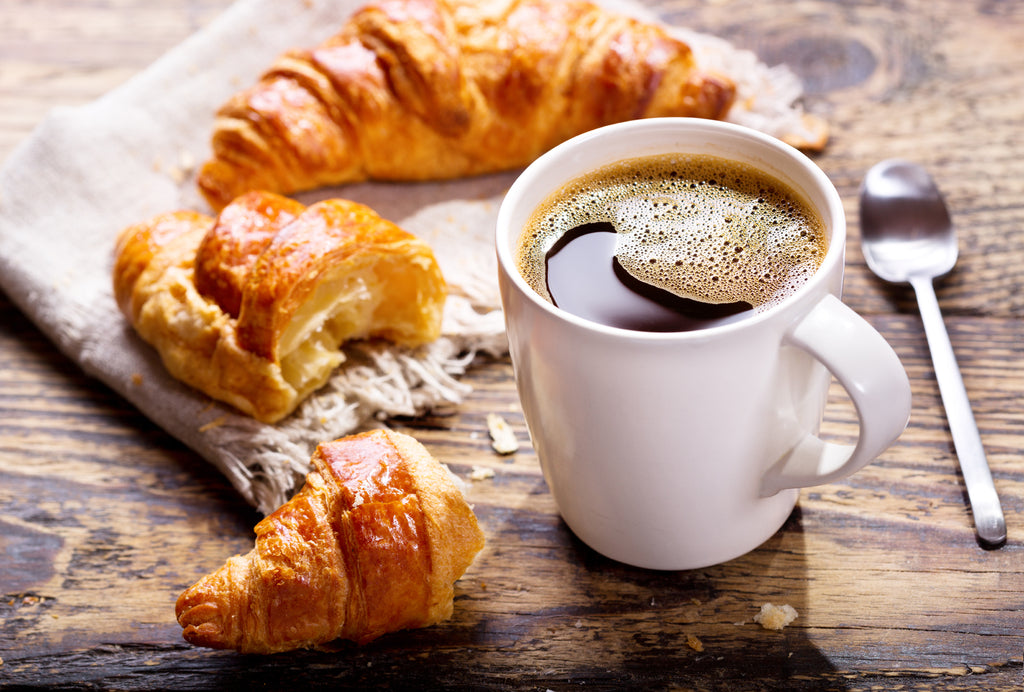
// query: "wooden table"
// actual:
[[104, 519]]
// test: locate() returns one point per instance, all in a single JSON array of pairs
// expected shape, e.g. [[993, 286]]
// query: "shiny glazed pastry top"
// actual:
[[434, 89], [372, 543], [253, 307]]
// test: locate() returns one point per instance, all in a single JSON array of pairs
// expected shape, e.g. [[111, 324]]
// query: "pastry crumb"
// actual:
[[773, 617], [480, 473], [694, 643], [136, 379], [215, 423], [503, 438], [183, 169]]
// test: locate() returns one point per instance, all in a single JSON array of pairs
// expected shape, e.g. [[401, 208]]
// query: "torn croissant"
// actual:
[[254, 306], [373, 543], [435, 89]]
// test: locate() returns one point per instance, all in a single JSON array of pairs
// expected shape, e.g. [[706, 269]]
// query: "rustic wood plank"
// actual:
[[523, 591], [104, 518]]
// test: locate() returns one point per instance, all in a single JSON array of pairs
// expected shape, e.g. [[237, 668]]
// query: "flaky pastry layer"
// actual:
[[253, 307], [372, 543], [437, 89]]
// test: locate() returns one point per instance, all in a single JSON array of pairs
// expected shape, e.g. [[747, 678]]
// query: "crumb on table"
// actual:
[[773, 617], [503, 437], [480, 473]]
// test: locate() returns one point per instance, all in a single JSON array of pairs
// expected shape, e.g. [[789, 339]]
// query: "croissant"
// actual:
[[253, 307], [371, 544], [433, 89]]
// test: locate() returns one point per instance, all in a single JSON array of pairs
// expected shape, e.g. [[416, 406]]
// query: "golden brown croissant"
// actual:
[[433, 89], [373, 543], [252, 308]]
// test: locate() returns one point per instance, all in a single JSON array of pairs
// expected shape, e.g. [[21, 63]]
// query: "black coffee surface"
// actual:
[[585, 278], [695, 239]]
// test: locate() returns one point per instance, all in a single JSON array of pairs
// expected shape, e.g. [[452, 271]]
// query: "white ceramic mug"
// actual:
[[683, 450]]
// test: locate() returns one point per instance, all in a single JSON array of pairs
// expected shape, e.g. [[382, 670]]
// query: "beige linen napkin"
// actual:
[[87, 172]]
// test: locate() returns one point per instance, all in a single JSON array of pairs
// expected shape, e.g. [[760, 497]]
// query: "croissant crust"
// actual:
[[254, 306], [435, 89], [373, 543]]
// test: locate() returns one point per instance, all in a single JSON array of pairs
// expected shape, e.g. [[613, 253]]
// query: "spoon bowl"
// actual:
[[906, 229], [907, 236]]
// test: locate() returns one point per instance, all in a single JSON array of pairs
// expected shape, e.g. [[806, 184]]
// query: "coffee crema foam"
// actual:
[[702, 227]]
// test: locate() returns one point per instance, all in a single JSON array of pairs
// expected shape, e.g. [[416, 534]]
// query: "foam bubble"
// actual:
[[702, 227]]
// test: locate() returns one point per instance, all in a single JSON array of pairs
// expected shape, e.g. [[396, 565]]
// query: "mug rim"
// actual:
[[714, 128]]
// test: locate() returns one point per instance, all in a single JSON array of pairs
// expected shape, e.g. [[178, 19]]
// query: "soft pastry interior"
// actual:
[[253, 307]]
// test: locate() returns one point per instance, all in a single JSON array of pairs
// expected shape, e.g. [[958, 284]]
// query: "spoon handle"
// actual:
[[981, 491]]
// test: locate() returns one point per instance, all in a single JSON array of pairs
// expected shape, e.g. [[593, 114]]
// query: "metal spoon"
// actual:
[[908, 237]]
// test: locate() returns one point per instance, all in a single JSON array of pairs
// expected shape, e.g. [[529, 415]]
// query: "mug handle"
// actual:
[[870, 371]]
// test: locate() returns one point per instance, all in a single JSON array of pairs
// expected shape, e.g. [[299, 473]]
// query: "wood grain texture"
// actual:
[[104, 519]]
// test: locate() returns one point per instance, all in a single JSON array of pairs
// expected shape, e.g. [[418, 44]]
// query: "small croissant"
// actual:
[[253, 307], [372, 544], [434, 89]]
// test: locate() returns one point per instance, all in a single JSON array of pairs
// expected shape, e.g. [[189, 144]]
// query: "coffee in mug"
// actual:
[[671, 243]]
